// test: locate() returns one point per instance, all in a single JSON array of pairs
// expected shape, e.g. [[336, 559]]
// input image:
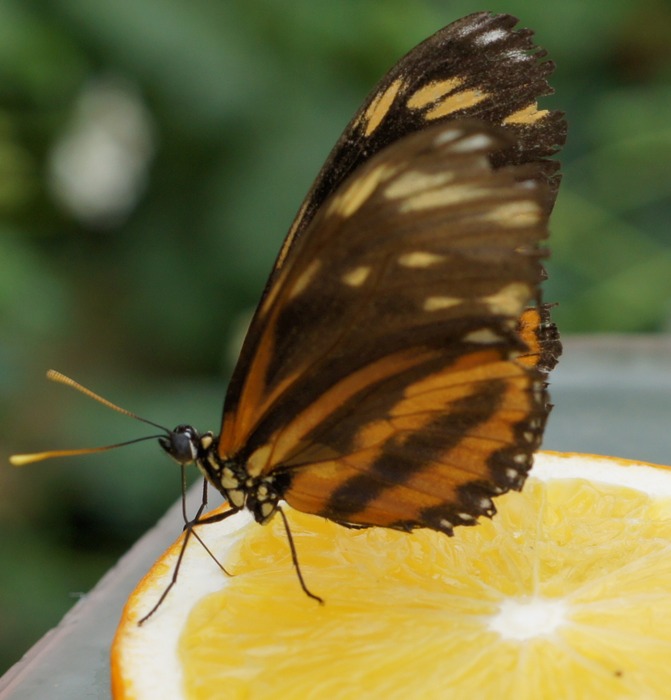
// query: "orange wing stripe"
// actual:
[[447, 449]]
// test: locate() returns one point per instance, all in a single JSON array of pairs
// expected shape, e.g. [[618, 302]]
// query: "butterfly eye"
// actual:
[[181, 444]]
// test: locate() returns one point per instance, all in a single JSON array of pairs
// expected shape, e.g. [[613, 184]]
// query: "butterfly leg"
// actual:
[[294, 559], [189, 528]]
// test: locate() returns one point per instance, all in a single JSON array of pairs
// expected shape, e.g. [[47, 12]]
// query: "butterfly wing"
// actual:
[[477, 67], [381, 383], [541, 337]]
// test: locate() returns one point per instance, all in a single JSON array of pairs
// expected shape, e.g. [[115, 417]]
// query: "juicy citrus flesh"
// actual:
[[566, 593]]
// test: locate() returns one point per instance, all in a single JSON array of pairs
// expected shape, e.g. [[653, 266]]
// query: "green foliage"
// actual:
[[227, 110]]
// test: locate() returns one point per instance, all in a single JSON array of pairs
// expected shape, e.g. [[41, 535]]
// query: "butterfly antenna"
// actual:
[[54, 376]]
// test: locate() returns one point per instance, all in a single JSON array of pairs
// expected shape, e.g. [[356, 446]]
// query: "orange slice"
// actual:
[[566, 593]]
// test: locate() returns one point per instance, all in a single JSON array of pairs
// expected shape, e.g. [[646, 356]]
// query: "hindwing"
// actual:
[[382, 381]]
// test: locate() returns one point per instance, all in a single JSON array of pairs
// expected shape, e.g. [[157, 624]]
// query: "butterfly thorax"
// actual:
[[259, 494]]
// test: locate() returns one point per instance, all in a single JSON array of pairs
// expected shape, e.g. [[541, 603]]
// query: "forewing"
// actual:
[[477, 67], [381, 378]]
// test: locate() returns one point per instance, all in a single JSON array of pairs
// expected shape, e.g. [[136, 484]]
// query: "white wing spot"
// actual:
[[485, 336], [447, 136], [414, 181], [305, 278], [476, 142], [258, 461], [463, 99], [420, 258], [509, 300], [490, 37], [432, 92], [380, 106], [267, 509], [357, 276], [438, 303], [443, 197], [228, 480], [517, 55], [515, 214], [360, 189], [440, 98], [236, 498], [472, 27], [527, 115]]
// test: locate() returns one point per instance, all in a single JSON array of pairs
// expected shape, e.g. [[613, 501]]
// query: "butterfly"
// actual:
[[394, 373]]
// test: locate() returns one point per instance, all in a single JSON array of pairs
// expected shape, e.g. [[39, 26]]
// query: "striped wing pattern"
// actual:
[[382, 382], [478, 67]]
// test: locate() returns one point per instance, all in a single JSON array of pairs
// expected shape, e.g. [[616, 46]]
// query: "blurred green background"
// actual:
[[152, 155]]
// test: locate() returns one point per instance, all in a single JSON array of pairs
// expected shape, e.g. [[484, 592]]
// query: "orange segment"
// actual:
[[565, 593]]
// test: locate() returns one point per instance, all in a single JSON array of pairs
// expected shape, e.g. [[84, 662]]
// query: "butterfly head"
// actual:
[[185, 444]]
